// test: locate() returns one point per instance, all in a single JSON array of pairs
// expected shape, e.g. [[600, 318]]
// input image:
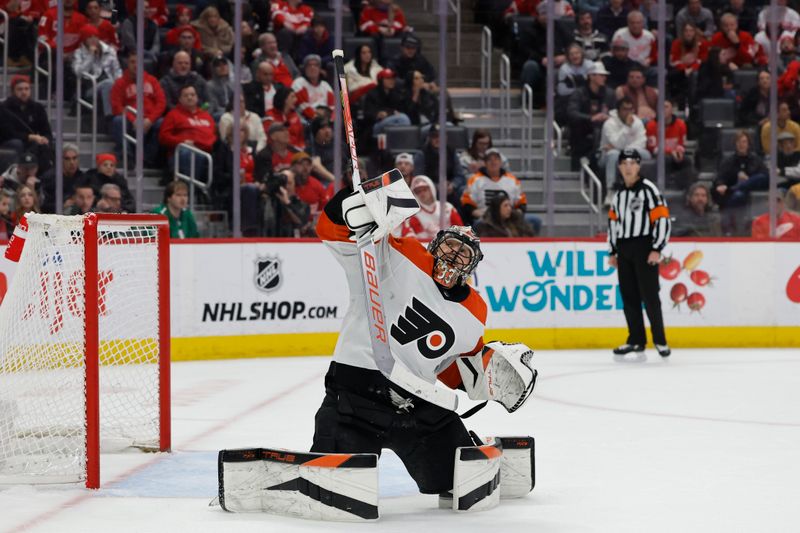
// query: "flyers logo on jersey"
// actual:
[[419, 323]]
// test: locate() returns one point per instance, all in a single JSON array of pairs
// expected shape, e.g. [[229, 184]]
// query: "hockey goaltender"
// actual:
[[421, 322]]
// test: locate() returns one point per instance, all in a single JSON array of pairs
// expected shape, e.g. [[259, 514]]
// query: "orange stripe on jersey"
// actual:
[[327, 230], [490, 451], [450, 376], [329, 461], [475, 304], [657, 212], [414, 252], [612, 214]]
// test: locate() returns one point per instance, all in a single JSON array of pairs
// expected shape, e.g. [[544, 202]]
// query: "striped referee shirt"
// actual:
[[639, 211]]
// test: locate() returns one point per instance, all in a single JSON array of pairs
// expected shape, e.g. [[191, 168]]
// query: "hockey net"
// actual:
[[84, 346]]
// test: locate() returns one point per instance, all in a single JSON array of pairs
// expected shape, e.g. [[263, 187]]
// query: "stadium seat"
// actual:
[[390, 47], [718, 112], [744, 80], [457, 137], [567, 24], [329, 17], [649, 169], [351, 43], [402, 138]]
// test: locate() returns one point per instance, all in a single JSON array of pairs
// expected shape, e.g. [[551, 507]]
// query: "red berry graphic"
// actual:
[[700, 278], [669, 268], [693, 260], [793, 287], [678, 294], [696, 301]]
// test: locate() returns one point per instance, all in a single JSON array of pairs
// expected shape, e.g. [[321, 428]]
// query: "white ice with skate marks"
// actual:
[[707, 441]]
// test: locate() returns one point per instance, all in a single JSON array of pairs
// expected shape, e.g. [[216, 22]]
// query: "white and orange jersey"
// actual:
[[427, 331], [481, 188]]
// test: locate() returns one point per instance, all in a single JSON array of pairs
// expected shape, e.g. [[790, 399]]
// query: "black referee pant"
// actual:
[[638, 282]]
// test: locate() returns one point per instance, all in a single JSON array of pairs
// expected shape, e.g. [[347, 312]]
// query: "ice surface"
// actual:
[[707, 441]]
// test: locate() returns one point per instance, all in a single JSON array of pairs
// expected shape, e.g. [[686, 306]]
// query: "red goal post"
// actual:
[[84, 346]]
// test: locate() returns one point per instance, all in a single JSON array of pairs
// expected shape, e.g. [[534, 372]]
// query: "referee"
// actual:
[[638, 229]]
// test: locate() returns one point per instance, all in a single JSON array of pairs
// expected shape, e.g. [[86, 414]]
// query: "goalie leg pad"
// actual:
[[517, 466], [476, 477], [317, 486]]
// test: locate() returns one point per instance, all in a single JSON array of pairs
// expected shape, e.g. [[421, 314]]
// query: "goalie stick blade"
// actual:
[[476, 477], [317, 486]]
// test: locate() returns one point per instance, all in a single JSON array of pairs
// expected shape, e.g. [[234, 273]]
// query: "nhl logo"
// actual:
[[268, 273]]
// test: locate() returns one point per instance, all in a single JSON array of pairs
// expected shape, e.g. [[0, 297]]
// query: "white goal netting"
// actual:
[[43, 339]]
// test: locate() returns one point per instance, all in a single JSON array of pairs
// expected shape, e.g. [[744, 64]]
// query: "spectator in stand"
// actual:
[[754, 110], [260, 93], [594, 43], [787, 223], [701, 17], [123, 95], [410, 58], [181, 75], [622, 131], [501, 220], [106, 174], [383, 105], [786, 50], [6, 225], [738, 47], [98, 60], [277, 156], [561, 8], [81, 201], [110, 200], [283, 111], [268, 51], [785, 124], [255, 129], [362, 72], [175, 207], [312, 91], [714, 78], [187, 41], [216, 35], [317, 41], [71, 178], [612, 17], [642, 46], [73, 22], [26, 201], [488, 182], [291, 20], [308, 188], [152, 37], [427, 222], [382, 18], [587, 111], [455, 179], [25, 123], [183, 20], [404, 162], [686, 55], [322, 150], [738, 174], [571, 76], [592, 7], [154, 10], [422, 107], [286, 215], [106, 31], [24, 172], [472, 159], [188, 124], [697, 218], [788, 19], [618, 64], [535, 68], [788, 161], [524, 8], [220, 87], [251, 189], [679, 168], [23, 19], [746, 15], [644, 98]]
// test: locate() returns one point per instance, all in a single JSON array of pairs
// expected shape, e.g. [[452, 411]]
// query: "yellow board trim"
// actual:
[[301, 344]]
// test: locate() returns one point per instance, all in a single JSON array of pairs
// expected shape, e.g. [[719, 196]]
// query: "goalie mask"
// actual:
[[456, 252]]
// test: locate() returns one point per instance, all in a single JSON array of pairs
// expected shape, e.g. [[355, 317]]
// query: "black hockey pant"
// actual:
[[638, 282]]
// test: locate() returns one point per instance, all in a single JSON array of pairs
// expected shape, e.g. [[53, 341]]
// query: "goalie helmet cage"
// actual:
[[84, 346]]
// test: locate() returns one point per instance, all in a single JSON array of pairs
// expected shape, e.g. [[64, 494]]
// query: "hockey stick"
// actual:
[[390, 367]]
